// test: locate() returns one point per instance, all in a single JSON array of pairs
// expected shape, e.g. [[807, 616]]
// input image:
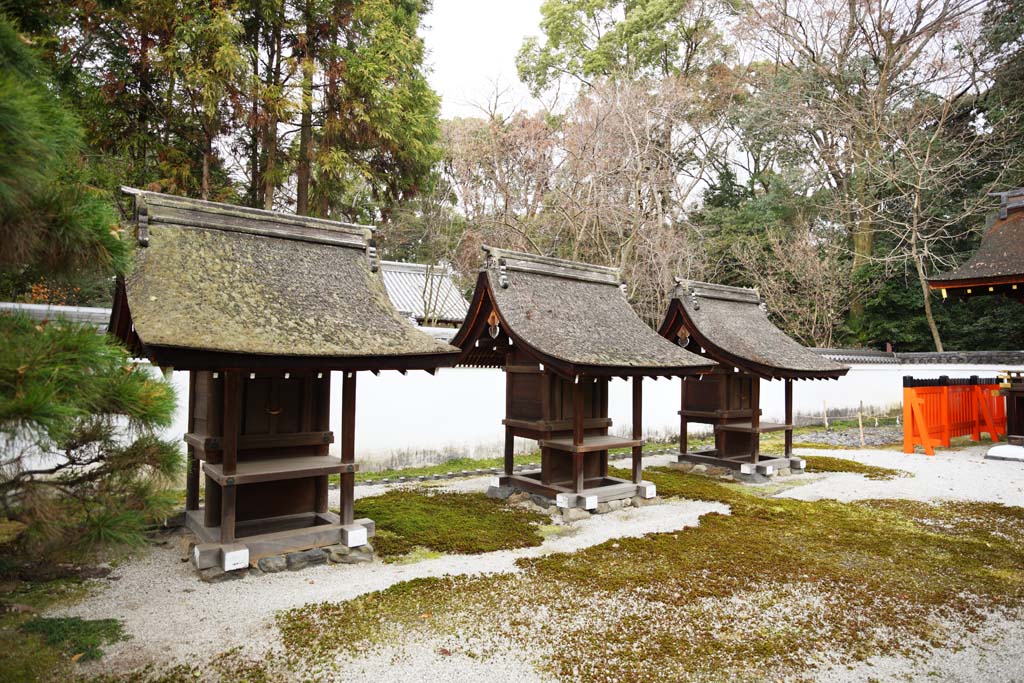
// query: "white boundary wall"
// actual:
[[419, 418]]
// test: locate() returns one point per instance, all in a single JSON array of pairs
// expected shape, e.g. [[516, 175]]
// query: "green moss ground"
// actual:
[[447, 523], [753, 595], [42, 649], [824, 463]]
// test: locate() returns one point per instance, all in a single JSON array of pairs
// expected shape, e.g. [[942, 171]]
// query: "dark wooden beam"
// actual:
[[684, 424], [755, 418], [789, 418], [348, 445], [191, 462], [232, 420], [638, 428]]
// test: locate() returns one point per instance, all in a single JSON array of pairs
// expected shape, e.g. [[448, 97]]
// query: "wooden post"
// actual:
[[229, 454], [909, 397], [944, 412], [510, 442], [191, 463], [860, 423], [348, 445], [638, 451], [227, 513], [232, 420], [577, 412], [320, 502], [789, 418], [577, 434], [755, 417], [684, 425]]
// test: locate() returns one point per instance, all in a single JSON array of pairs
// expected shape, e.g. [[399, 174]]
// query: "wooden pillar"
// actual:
[[577, 412], [510, 444], [638, 428], [191, 463], [229, 453], [755, 417], [789, 418], [725, 379], [577, 434], [684, 425], [320, 502], [211, 503], [348, 445], [227, 513], [232, 420]]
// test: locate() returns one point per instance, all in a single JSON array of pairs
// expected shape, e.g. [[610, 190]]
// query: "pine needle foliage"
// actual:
[[82, 465]]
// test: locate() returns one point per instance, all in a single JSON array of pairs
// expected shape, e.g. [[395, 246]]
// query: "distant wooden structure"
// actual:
[[425, 293], [996, 269], [561, 330], [730, 326], [261, 307]]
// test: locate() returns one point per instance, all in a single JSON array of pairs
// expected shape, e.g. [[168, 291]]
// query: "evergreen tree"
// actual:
[[80, 462]]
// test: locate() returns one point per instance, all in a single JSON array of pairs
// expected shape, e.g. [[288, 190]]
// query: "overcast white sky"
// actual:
[[472, 45]]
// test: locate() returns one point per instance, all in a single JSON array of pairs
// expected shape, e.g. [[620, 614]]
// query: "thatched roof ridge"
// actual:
[[732, 327], [571, 315], [222, 279]]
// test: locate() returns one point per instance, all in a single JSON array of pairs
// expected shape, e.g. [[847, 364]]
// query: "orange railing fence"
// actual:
[[936, 410]]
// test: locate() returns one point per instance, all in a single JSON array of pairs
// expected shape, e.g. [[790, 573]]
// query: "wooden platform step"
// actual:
[[277, 469], [590, 443]]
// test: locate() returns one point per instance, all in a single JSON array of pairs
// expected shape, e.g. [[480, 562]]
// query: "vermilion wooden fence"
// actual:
[[936, 410]]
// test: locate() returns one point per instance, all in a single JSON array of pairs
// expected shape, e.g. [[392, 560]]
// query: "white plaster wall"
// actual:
[[418, 418]]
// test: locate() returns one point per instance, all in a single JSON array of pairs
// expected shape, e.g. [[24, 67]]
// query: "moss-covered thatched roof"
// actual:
[[573, 314], [732, 327], [1000, 258], [220, 278]]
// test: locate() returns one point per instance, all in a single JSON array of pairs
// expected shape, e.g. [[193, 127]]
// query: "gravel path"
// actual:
[[992, 655], [173, 617], [947, 475]]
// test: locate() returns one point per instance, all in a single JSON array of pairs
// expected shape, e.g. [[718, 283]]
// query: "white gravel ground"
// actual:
[[947, 475], [173, 617], [990, 655]]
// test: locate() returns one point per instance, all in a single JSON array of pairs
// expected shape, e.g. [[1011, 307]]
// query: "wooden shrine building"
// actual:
[[260, 307], [730, 326], [996, 269], [561, 330]]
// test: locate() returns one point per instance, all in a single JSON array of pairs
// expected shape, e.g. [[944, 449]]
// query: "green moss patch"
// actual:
[[824, 463], [81, 638], [447, 523], [754, 595]]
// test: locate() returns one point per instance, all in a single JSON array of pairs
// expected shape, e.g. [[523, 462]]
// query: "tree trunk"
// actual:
[[302, 171], [270, 132], [207, 155], [926, 293]]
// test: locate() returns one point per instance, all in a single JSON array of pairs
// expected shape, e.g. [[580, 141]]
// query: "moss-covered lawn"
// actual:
[[34, 648], [470, 523], [754, 595], [824, 463]]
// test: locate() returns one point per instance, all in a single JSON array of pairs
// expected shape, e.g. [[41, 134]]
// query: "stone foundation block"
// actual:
[[272, 564], [354, 535], [306, 558], [499, 492]]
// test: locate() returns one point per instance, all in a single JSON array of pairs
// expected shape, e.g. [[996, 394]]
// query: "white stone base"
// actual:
[[1005, 451]]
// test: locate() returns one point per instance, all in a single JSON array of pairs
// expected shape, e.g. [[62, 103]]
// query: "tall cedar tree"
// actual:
[[80, 461]]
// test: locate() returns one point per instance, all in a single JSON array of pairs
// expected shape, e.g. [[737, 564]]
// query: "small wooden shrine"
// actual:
[[997, 269], [730, 326], [561, 330], [260, 307]]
